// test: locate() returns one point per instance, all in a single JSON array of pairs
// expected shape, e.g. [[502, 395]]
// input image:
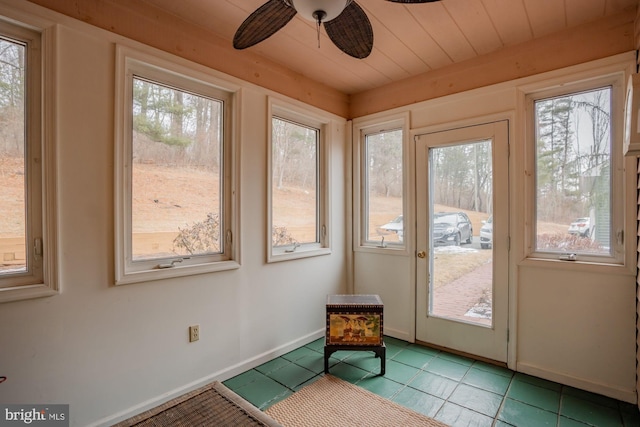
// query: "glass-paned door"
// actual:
[[462, 266]]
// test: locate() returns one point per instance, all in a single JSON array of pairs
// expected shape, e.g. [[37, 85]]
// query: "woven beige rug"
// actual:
[[332, 402]]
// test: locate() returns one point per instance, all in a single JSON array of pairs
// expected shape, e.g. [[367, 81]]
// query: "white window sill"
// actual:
[[24, 292]]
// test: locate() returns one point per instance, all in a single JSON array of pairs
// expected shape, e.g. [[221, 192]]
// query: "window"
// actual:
[[578, 192], [175, 173], [382, 218], [298, 188], [27, 211]]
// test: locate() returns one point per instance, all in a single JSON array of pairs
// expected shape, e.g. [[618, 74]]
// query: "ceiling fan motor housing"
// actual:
[[319, 10]]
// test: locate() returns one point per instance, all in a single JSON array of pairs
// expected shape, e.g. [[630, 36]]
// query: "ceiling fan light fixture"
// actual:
[[319, 10], [345, 22]]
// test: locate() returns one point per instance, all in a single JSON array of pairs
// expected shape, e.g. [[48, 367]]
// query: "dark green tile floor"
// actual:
[[453, 389]]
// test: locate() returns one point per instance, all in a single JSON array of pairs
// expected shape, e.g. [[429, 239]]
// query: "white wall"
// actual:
[[578, 328], [572, 324], [388, 276], [110, 351]]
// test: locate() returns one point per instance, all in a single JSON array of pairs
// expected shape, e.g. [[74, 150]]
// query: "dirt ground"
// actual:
[[11, 197], [167, 198]]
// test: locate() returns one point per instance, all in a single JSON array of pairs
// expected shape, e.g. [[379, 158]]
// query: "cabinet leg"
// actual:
[[327, 354], [382, 354]]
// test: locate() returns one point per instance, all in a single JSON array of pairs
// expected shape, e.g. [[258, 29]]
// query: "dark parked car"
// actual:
[[451, 228]]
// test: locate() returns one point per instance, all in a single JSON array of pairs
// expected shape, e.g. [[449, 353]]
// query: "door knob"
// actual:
[[422, 254]]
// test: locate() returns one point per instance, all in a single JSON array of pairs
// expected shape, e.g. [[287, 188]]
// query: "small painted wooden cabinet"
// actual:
[[354, 322]]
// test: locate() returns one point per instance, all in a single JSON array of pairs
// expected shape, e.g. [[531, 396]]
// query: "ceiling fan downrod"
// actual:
[[319, 16], [318, 11]]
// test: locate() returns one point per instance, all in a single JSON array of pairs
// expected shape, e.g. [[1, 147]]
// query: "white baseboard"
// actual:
[[583, 384], [221, 375], [401, 335]]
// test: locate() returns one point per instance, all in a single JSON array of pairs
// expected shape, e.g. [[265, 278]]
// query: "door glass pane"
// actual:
[[573, 173], [461, 227]]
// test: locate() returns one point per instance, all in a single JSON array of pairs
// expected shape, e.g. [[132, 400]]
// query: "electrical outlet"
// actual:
[[194, 333]]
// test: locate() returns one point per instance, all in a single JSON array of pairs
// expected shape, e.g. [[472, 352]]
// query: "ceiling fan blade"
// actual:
[[413, 1], [351, 31], [263, 23]]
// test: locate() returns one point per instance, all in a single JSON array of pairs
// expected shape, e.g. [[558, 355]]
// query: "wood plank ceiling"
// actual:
[[409, 40], [420, 52]]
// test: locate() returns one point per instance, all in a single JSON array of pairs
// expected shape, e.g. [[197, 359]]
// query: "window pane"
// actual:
[[294, 183], [176, 173], [12, 158], [573, 173], [383, 160]]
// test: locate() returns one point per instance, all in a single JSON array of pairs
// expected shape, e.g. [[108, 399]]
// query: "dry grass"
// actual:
[[295, 209], [449, 266], [166, 198]]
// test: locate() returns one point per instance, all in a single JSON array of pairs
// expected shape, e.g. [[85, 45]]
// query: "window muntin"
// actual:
[[298, 186], [27, 247], [382, 175], [578, 183], [174, 177], [294, 194]]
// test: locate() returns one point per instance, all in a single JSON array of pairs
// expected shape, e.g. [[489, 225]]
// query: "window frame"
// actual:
[[569, 86], [181, 75], [324, 125], [360, 131], [41, 233]]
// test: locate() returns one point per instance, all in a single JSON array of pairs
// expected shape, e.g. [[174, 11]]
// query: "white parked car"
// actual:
[[486, 233], [396, 225], [581, 227]]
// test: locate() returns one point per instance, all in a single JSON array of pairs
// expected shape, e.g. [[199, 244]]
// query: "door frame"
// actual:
[[514, 126]]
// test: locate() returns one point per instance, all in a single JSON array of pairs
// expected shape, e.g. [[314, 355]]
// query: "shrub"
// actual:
[[567, 242], [204, 237], [280, 236], [201, 237]]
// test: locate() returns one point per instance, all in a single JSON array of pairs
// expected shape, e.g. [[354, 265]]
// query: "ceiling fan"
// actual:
[[346, 23]]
